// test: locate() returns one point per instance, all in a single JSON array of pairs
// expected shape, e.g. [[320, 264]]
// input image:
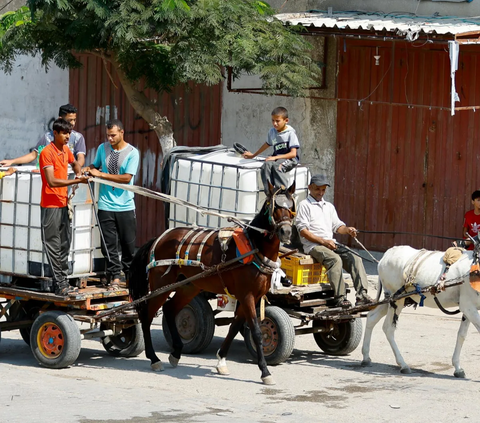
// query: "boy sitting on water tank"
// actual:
[[283, 138]]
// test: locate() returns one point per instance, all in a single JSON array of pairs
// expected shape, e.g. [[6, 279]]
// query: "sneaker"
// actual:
[[364, 299]]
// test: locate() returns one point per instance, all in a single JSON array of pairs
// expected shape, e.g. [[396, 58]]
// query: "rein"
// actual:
[[406, 233], [171, 199]]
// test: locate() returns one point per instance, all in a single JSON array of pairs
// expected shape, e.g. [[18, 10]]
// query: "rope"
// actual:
[[222, 267], [444, 309], [170, 199], [368, 252], [405, 233]]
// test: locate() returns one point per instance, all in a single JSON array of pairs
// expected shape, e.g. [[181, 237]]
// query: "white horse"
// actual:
[[397, 264]]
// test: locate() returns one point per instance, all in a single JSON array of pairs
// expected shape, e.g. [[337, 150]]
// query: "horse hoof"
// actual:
[[173, 360], [460, 374], [157, 367], [268, 380], [406, 371], [223, 370], [366, 363]]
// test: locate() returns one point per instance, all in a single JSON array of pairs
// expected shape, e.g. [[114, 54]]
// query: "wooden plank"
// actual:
[[107, 306], [4, 326], [310, 303], [83, 294]]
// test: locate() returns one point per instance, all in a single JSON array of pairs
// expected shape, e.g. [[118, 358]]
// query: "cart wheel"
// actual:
[[278, 336], [342, 340], [128, 343], [55, 339], [195, 324]]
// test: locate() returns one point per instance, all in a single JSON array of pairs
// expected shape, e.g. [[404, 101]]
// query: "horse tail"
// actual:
[[138, 282]]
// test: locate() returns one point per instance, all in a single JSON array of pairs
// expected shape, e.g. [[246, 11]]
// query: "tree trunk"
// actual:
[[145, 108]]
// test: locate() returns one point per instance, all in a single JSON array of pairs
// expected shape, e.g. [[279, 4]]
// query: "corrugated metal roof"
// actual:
[[401, 24]]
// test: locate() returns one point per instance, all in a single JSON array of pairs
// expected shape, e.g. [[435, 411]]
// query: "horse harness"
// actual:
[[224, 235], [410, 274]]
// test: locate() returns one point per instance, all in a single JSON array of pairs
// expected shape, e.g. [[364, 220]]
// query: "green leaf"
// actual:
[[173, 4], [262, 7], [160, 43]]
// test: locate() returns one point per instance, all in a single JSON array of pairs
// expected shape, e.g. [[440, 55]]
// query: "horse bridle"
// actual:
[[282, 201]]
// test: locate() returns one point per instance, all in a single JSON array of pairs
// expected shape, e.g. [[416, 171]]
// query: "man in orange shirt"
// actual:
[[56, 225]]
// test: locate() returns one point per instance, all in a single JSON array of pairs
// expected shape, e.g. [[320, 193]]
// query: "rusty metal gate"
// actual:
[[403, 163]]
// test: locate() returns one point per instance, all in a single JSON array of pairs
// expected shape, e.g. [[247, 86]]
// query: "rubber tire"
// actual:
[[128, 343], [278, 327], [197, 318], [67, 330], [345, 337]]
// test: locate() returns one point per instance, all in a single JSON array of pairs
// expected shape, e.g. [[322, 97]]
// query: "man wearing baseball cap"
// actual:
[[317, 221]]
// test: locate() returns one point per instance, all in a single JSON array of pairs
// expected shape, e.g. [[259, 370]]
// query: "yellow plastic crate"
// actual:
[[302, 270]]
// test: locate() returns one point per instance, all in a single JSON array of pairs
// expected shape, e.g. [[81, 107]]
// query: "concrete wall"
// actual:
[[419, 7], [14, 5], [30, 100], [246, 118]]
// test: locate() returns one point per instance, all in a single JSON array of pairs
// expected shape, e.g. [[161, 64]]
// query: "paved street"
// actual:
[[311, 386]]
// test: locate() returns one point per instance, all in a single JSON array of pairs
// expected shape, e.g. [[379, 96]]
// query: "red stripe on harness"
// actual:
[[243, 244]]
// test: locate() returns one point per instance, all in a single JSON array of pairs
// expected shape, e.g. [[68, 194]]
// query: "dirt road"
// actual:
[[311, 387]]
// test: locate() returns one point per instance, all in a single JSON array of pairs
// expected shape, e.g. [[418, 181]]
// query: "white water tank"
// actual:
[[21, 248], [224, 182]]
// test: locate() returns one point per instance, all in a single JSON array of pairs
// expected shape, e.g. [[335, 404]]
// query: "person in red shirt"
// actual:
[[56, 225], [471, 223]]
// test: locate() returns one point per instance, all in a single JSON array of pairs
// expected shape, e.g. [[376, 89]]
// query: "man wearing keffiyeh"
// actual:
[[116, 161]]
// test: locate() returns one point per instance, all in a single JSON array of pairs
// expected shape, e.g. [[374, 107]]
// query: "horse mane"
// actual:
[[259, 221]]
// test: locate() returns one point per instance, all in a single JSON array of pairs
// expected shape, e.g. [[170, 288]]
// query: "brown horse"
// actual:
[[246, 282]]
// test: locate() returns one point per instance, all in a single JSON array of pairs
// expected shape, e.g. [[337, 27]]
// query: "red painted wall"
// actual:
[[403, 163], [194, 111]]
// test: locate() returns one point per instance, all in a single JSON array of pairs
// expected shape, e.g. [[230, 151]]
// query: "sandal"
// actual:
[[114, 285]]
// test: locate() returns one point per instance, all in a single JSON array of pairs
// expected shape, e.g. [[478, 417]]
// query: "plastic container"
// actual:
[[224, 182], [302, 270], [21, 248]]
